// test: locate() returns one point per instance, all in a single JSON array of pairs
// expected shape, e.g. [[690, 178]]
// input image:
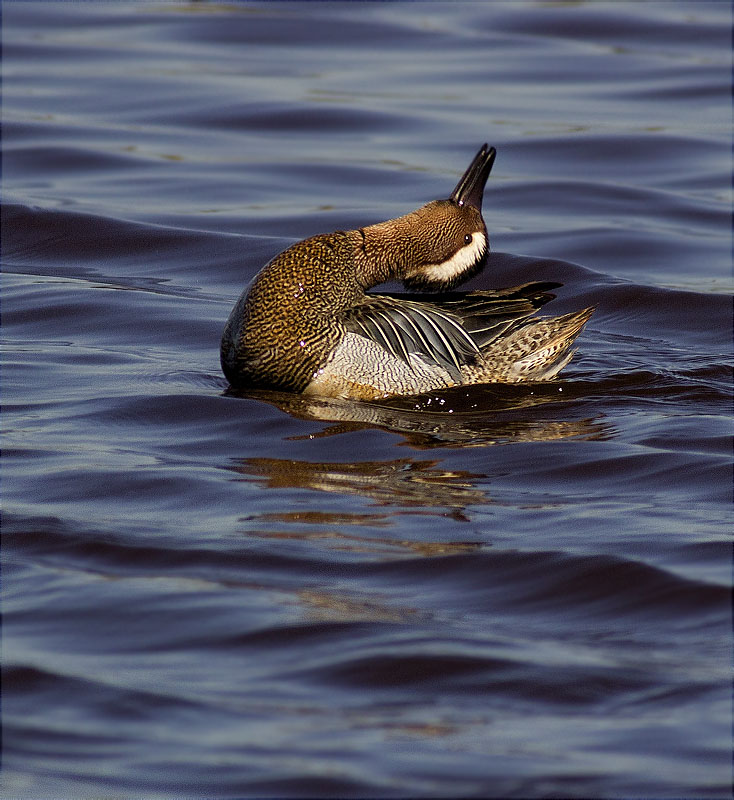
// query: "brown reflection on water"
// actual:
[[400, 481], [418, 730], [420, 488], [328, 606], [482, 417], [325, 604], [328, 518], [356, 543], [411, 723]]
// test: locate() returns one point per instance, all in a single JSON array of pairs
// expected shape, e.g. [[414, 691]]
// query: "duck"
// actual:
[[308, 322]]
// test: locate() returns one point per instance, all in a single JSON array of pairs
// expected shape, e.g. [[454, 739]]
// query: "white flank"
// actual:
[[459, 262]]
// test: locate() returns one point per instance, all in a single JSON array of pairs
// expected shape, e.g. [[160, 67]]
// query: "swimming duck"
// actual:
[[308, 324]]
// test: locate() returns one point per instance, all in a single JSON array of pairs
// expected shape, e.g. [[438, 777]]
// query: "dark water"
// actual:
[[508, 591]]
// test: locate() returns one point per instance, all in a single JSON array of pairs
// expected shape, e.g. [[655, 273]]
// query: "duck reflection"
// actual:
[[419, 489], [403, 481], [478, 417], [329, 606], [356, 542], [407, 488]]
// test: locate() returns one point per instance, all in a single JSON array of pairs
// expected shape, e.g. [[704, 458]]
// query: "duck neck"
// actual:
[[384, 251]]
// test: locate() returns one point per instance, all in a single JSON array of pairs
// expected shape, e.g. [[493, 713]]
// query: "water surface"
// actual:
[[504, 591]]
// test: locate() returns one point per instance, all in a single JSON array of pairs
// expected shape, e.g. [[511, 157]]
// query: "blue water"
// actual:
[[501, 591]]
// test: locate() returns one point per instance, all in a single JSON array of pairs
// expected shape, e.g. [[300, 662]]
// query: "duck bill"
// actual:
[[470, 189]]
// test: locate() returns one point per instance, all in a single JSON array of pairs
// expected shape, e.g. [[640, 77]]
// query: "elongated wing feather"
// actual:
[[446, 329], [487, 315], [404, 327]]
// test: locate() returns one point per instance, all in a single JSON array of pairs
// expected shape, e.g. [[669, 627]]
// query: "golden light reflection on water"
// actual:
[[420, 486], [400, 481], [355, 543], [482, 417], [400, 491], [327, 606], [328, 518]]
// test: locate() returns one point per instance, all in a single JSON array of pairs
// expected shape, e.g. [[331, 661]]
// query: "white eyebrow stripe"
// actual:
[[464, 258]]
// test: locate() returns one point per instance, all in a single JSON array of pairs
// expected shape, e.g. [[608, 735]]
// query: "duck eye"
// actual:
[[467, 238]]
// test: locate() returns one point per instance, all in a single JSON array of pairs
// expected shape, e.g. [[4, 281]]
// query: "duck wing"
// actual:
[[488, 315], [445, 329], [404, 327]]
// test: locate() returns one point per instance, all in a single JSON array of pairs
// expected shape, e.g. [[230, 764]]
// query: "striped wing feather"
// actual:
[[449, 329]]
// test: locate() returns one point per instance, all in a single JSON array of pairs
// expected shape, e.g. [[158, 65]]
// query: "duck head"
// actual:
[[448, 238]]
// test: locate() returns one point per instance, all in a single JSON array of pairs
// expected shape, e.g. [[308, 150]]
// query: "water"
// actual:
[[507, 591]]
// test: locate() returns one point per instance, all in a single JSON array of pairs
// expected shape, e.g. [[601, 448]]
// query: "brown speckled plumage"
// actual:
[[307, 323], [282, 330]]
